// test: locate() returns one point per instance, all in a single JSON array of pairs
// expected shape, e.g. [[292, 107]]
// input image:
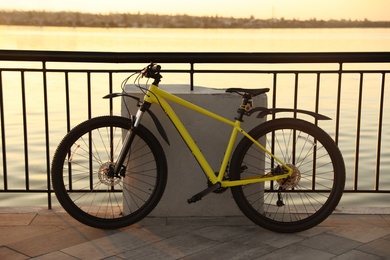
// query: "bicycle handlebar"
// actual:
[[152, 71]]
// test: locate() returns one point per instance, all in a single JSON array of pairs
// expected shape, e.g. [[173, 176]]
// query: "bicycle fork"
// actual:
[[119, 169]]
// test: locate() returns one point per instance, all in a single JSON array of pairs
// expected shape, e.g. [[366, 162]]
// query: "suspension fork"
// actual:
[[120, 169]]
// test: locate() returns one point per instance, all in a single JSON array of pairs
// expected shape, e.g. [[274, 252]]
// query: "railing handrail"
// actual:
[[194, 57]]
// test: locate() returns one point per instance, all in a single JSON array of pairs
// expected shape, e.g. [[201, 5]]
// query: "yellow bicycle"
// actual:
[[286, 175]]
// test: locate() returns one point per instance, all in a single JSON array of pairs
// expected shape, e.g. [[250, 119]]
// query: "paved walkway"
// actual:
[[53, 234]]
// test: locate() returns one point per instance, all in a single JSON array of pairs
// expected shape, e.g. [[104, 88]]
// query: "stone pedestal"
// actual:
[[185, 177]]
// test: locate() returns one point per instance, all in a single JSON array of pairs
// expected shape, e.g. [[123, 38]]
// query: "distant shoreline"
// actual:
[[129, 20]]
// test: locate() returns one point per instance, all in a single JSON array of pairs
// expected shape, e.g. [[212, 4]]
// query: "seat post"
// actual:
[[245, 106]]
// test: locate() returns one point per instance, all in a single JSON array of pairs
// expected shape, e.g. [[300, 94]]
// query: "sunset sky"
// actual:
[[375, 10]]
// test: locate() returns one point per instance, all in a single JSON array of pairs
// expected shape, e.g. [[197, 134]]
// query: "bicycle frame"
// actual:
[[101, 192], [155, 95]]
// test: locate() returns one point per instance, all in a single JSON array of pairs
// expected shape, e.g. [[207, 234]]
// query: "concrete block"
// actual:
[[185, 177]]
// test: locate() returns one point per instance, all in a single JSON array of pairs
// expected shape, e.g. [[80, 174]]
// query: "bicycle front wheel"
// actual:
[[81, 173], [301, 201]]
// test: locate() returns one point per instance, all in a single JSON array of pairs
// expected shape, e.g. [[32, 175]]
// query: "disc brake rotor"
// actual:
[[104, 176]]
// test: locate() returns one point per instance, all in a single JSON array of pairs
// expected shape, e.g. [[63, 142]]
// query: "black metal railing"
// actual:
[[43, 94]]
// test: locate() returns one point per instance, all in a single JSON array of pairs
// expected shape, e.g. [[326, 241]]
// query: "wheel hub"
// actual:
[[105, 174], [292, 181]]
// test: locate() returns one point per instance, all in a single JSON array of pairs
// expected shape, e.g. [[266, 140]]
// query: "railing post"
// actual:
[[380, 124], [25, 131], [47, 138], [338, 104], [192, 76], [2, 128]]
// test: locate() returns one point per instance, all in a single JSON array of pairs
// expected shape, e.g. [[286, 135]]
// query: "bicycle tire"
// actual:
[[309, 196], [83, 187]]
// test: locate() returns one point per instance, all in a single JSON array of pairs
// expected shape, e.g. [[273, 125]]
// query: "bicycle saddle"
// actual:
[[254, 92]]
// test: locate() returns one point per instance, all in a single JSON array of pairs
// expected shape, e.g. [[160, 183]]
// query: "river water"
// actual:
[[196, 40]]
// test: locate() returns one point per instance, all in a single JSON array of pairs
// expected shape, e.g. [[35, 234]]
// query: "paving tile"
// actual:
[[147, 253], [224, 233], [233, 250], [363, 234], [379, 247], [371, 220], [346, 220], [153, 221], [205, 221], [112, 245], [53, 218], [265, 237], [6, 253], [330, 243], [9, 234], [20, 219], [296, 252], [314, 231], [386, 237], [53, 234], [169, 231], [386, 218], [20, 210], [113, 258], [210, 221], [181, 246], [45, 243], [356, 255], [57, 255]]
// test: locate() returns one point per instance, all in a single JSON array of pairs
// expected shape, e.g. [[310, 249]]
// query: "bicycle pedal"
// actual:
[[194, 199]]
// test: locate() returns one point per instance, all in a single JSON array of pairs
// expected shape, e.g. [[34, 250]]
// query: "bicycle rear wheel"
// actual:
[[301, 201], [81, 180]]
